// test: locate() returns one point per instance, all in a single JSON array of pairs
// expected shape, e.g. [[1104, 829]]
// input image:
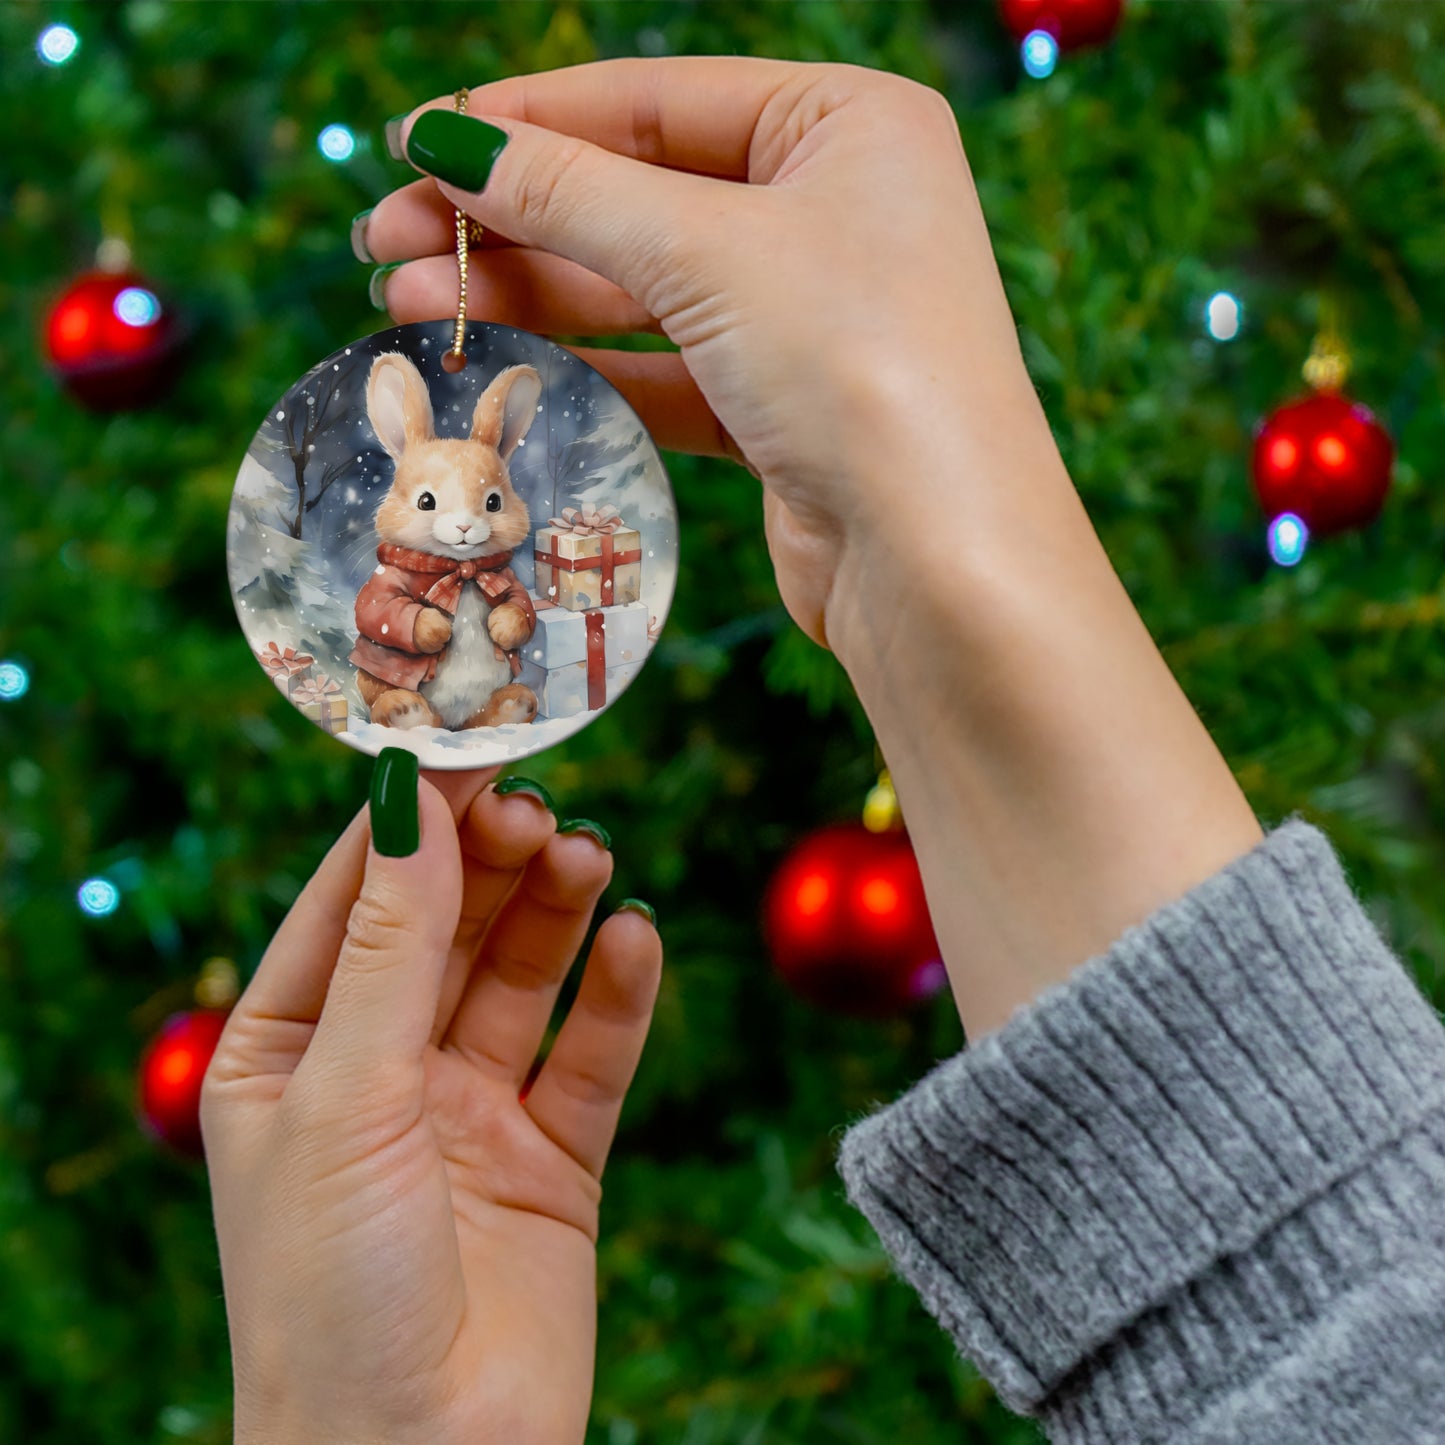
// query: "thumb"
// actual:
[[382, 1000], [635, 224]]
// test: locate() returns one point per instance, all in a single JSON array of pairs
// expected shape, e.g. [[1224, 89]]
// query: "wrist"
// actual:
[[1057, 784]]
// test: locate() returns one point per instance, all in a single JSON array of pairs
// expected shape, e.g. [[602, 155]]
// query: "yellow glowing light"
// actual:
[[879, 897], [177, 1067], [1283, 454], [812, 895]]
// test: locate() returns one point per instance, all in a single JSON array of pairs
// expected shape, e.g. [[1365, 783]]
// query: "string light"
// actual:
[[57, 44], [98, 897], [136, 306], [1288, 538], [1223, 316], [336, 143], [14, 681], [1040, 53]]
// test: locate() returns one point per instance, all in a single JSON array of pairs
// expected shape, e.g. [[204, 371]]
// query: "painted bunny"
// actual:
[[442, 618]]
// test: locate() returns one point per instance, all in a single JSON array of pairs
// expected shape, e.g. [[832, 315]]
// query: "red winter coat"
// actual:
[[392, 598]]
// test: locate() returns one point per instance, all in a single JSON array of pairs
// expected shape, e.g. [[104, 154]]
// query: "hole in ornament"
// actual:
[[454, 361]]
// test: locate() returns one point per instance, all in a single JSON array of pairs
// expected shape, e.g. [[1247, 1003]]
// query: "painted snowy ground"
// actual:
[[476, 748]]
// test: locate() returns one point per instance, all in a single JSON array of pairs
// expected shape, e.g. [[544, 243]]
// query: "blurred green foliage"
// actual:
[[1286, 153]]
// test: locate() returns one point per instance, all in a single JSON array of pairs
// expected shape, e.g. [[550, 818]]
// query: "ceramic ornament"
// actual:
[[472, 561]]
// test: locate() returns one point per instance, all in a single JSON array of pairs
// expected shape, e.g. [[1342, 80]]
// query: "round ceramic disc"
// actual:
[[469, 564]]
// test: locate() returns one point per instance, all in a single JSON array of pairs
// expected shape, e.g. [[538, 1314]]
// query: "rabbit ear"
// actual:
[[506, 409], [398, 404]]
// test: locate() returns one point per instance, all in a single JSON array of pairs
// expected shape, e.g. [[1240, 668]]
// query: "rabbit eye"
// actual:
[[494, 501], [426, 502]]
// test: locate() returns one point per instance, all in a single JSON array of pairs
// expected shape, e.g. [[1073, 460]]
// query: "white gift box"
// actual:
[[561, 636], [568, 690]]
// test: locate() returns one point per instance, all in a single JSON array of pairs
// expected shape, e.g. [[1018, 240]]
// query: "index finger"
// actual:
[[695, 113]]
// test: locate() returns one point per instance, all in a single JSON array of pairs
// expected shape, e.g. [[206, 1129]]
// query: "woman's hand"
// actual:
[[808, 235], [408, 1247]]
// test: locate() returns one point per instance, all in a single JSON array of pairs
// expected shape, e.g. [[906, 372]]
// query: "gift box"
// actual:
[[588, 559], [320, 699], [561, 636], [572, 689], [286, 667]]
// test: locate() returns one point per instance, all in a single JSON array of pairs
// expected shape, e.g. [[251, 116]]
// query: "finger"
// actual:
[[577, 1097], [460, 788], [382, 998], [500, 835], [623, 219], [272, 1022], [690, 113], [415, 220], [517, 287], [504, 1010]]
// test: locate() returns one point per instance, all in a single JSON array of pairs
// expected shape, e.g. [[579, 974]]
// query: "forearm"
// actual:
[[1057, 784]]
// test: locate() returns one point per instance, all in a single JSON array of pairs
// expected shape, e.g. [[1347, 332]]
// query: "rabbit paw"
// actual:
[[507, 626], [514, 703], [401, 708], [433, 630]]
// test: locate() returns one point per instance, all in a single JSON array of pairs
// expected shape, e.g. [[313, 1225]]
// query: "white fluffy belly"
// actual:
[[469, 672]]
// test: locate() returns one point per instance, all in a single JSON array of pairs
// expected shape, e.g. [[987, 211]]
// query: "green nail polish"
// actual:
[[455, 148], [376, 288], [359, 248], [636, 905], [512, 785], [395, 820], [392, 132], [586, 825]]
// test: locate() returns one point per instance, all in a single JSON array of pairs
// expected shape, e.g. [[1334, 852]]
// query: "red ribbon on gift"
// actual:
[[607, 561], [596, 658], [315, 690], [285, 663]]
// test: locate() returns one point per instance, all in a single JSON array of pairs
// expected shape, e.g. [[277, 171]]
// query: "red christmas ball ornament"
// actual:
[[112, 341], [1326, 459], [171, 1071], [847, 923], [1073, 23]]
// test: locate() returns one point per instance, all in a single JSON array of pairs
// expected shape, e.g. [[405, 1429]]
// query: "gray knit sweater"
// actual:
[[1196, 1192]]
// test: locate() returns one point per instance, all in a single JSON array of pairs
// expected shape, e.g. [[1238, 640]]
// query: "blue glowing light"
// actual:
[[1288, 538], [98, 897], [336, 143], [137, 307], [1223, 316], [57, 44], [14, 681], [1040, 52]]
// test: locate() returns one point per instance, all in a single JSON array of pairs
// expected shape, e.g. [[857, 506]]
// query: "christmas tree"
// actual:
[[1280, 159]]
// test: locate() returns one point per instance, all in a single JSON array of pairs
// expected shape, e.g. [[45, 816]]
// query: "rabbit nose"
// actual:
[[464, 528]]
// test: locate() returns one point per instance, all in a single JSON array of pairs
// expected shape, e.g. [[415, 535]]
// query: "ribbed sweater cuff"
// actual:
[[1144, 1165]]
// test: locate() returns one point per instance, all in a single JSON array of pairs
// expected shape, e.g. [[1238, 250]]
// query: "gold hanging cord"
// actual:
[[469, 233]]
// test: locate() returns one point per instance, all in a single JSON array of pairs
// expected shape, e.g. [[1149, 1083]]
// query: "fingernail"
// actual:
[[455, 148], [393, 136], [586, 825], [359, 248], [636, 905], [512, 785], [376, 288], [395, 820]]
